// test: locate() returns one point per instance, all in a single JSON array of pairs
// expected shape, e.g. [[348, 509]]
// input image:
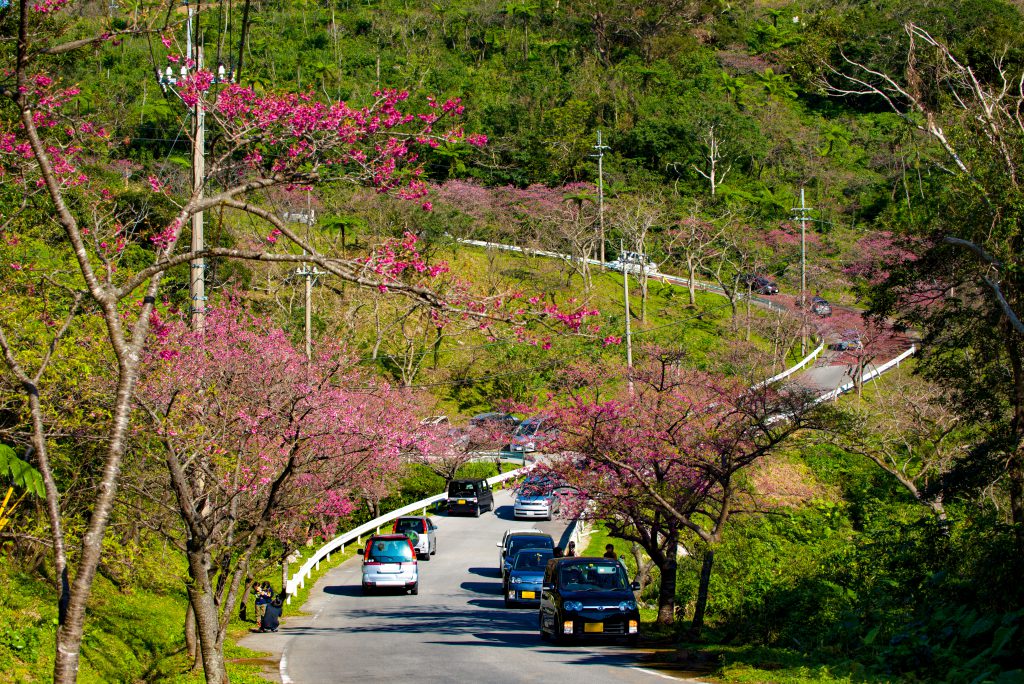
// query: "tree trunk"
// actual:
[[702, 594], [201, 596], [190, 631], [667, 588]]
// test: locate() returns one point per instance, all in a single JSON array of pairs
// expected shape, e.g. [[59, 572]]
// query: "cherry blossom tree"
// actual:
[[668, 457], [258, 441]]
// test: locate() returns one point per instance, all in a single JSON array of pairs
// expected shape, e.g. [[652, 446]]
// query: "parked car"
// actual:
[[389, 561], [531, 434], [516, 540], [421, 531], [489, 430], [588, 597], [470, 496], [536, 498], [819, 306], [633, 262], [848, 341], [759, 284], [526, 576]]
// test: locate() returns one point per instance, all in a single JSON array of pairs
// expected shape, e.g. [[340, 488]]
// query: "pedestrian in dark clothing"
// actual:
[[263, 596], [272, 616], [609, 552], [570, 550], [558, 552]]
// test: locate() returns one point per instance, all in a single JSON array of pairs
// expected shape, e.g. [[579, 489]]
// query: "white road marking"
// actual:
[[655, 673], [285, 679]]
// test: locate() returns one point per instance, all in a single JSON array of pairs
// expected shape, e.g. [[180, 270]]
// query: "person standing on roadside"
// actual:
[[570, 550], [263, 596], [609, 552]]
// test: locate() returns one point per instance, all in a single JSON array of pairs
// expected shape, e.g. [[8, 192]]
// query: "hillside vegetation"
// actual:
[[161, 450]]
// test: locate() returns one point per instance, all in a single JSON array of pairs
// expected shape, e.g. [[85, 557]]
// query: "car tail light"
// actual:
[[371, 562]]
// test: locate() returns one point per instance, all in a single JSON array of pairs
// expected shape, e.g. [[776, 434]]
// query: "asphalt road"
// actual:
[[455, 630]]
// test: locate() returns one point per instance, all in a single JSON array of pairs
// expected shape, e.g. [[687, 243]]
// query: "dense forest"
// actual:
[[209, 367]]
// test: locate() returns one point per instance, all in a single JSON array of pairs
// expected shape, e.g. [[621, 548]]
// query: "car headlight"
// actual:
[[516, 580], [530, 446], [627, 605], [573, 605]]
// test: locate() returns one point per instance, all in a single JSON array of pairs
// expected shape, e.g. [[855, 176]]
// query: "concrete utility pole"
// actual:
[[197, 286], [625, 299], [600, 147], [801, 216]]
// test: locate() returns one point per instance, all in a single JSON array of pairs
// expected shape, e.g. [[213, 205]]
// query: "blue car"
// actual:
[[526, 576]]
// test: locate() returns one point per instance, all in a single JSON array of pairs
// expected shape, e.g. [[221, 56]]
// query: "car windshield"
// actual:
[[532, 542], [593, 577], [527, 428], [532, 560], [462, 489], [409, 525], [390, 551]]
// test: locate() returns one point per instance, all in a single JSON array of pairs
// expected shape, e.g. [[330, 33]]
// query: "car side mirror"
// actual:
[[498, 544], [635, 586]]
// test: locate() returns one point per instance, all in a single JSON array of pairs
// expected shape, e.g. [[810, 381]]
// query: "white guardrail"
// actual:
[[664, 277], [868, 377], [298, 580], [793, 369]]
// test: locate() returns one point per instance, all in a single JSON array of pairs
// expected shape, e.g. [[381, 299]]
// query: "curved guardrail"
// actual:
[[867, 377], [298, 580]]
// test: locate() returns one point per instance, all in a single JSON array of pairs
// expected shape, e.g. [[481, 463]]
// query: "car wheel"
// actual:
[[476, 511], [540, 628], [423, 556], [508, 604], [367, 590], [434, 552], [556, 633], [415, 589], [632, 641]]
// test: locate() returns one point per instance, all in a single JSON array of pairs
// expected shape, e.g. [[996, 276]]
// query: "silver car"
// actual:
[[389, 561], [535, 501]]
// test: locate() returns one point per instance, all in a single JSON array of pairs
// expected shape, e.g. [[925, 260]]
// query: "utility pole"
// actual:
[[625, 300], [197, 288], [600, 147], [197, 276], [802, 218]]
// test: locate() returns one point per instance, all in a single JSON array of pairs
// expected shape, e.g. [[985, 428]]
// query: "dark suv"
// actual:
[[759, 284], [470, 496], [588, 597]]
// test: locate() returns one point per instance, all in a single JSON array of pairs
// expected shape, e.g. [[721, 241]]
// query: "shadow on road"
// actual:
[[357, 590], [486, 572], [482, 587], [505, 512]]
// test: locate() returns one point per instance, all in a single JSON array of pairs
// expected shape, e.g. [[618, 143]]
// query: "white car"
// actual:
[[633, 262]]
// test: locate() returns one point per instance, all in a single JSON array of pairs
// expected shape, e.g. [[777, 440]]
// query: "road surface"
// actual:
[[455, 630]]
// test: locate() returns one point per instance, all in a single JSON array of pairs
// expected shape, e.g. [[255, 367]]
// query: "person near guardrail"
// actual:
[[272, 615], [263, 597], [570, 550]]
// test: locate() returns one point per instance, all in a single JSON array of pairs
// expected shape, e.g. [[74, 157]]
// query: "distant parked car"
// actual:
[[820, 307], [759, 284], [633, 262], [531, 434], [849, 341], [489, 430]]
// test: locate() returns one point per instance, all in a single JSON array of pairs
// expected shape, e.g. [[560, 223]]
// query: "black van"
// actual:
[[470, 496], [588, 597]]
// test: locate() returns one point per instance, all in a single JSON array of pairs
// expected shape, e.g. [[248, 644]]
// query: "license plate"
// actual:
[[529, 594], [462, 501], [593, 627]]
